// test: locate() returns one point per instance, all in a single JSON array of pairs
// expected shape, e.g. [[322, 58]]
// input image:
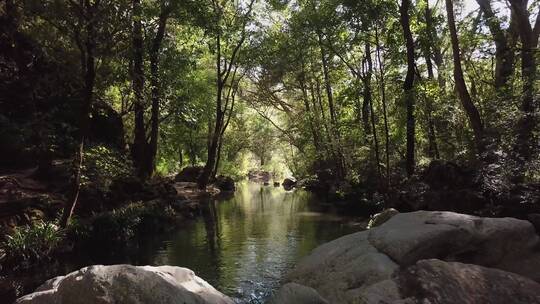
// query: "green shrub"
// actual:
[[30, 244], [119, 226], [102, 165]]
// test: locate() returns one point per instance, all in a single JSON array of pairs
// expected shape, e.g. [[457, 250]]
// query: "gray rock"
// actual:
[[534, 218], [292, 293], [409, 237], [127, 284], [435, 281], [338, 268], [376, 265]]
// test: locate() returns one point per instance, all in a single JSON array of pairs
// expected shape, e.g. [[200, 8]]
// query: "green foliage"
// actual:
[[31, 244], [102, 165], [119, 226]]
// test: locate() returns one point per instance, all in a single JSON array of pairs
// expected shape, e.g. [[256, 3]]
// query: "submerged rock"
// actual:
[[379, 265], [127, 284]]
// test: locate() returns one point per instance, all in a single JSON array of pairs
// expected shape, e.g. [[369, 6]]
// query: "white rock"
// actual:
[[127, 284]]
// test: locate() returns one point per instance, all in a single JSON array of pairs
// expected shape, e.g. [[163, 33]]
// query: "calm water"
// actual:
[[244, 245]]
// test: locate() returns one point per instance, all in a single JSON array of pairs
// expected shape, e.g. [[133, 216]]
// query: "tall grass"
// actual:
[[30, 244]]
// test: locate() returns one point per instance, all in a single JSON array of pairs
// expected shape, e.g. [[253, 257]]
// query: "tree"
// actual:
[[145, 146], [226, 53], [471, 110], [87, 15], [408, 86], [525, 142], [504, 41]]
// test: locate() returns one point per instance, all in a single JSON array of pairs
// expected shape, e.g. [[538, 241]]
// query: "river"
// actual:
[[243, 245]]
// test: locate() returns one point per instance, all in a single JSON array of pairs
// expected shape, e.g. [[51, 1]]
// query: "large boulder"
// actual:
[[127, 284], [225, 183], [189, 174], [436, 281], [368, 266], [338, 270], [409, 237]]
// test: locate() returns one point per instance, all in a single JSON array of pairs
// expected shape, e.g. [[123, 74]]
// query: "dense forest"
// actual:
[[372, 104]]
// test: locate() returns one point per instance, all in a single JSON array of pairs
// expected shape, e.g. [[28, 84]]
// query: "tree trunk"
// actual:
[[426, 49], [435, 46], [383, 101], [84, 119], [310, 116], [213, 146], [150, 157], [504, 54], [526, 145], [368, 97], [139, 149], [408, 86], [461, 87], [335, 136]]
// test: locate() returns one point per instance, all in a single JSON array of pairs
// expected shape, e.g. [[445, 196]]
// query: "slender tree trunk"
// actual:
[[214, 141], [335, 136], [435, 47], [408, 87], [369, 99], [526, 142], [383, 101], [139, 149], [84, 119], [432, 138], [310, 116], [150, 157], [466, 101]]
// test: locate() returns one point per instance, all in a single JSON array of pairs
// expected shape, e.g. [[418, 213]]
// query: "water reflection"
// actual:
[[245, 245]]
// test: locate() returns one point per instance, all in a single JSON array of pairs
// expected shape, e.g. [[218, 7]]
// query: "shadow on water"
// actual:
[[243, 244]]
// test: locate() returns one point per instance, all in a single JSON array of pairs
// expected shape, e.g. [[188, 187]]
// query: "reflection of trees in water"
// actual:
[[211, 225]]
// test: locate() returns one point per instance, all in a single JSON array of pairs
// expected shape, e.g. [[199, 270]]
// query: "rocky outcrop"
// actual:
[[386, 264], [189, 174], [127, 284]]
